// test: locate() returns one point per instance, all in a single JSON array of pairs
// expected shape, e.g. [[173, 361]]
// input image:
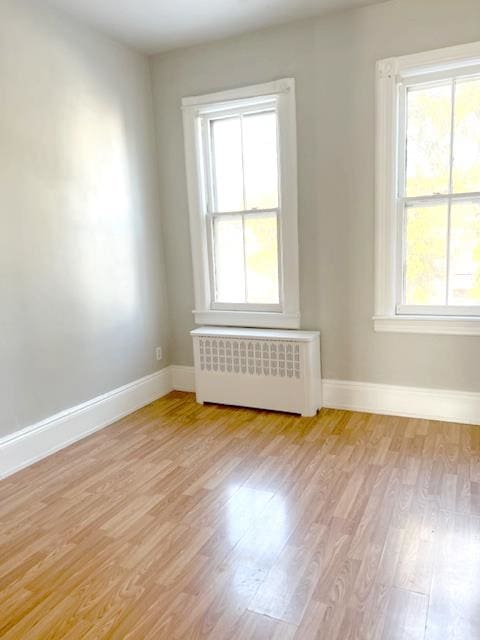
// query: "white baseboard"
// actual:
[[414, 402], [39, 440], [183, 378]]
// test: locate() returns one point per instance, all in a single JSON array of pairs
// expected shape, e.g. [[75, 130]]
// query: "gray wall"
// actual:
[[82, 304], [333, 62]]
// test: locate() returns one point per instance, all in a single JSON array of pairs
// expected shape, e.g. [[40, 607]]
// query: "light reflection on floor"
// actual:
[[257, 526], [256, 515]]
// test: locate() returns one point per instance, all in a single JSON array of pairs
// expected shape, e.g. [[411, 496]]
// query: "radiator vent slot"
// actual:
[[251, 357]]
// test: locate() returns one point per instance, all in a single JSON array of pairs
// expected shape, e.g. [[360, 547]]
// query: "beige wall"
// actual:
[[82, 302], [333, 62]]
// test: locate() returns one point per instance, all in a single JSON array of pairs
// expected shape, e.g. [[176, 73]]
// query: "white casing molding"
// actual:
[[393, 75], [415, 402], [195, 109], [22, 448]]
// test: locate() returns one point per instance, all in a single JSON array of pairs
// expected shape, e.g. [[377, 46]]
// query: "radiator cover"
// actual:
[[261, 368]]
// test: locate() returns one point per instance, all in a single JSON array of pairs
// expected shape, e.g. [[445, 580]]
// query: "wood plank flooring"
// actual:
[[190, 522]]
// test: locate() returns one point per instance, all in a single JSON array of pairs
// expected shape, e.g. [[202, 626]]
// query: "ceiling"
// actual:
[[153, 26]]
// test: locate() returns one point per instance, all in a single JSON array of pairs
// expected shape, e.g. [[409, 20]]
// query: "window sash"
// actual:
[[449, 198], [447, 309], [242, 306], [248, 108]]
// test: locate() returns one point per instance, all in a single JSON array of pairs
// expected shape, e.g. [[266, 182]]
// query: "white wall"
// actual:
[[82, 291], [332, 59]]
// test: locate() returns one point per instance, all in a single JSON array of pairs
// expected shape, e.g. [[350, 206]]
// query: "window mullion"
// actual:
[[245, 285], [209, 153], [452, 136], [212, 272], [450, 189], [401, 244], [281, 275], [402, 99], [243, 161], [401, 193], [447, 285]]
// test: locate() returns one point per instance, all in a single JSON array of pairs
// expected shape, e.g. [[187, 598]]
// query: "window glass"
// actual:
[[429, 118], [229, 259], [425, 254], [227, 164], [260, 160], [464, 285], [466, 141], [261, 253]]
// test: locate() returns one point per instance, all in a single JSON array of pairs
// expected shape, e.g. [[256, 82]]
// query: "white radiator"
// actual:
[[261, 368]]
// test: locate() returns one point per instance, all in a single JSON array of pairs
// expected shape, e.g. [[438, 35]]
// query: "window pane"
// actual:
[[466, 165], [260, 160], [229, 259], [426, 251], [227, 164], [429, 113], [262, 258], [464, 285]]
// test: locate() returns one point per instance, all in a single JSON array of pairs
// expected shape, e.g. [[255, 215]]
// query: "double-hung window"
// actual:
[[428, 192], [241, 170]]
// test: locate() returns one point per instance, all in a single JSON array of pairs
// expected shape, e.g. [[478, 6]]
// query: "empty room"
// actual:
[[240, 319]]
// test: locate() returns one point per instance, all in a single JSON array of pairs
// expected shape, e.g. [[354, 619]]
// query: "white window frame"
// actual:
[[392, 74], [280, 94]]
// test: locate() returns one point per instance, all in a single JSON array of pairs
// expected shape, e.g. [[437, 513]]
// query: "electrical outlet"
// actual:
[[158, 353]]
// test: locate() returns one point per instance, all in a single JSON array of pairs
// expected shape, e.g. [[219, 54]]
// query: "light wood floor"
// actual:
[[183, 521]]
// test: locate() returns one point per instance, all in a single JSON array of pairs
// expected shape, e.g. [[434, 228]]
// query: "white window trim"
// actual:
[[289, 316], [388, 72]]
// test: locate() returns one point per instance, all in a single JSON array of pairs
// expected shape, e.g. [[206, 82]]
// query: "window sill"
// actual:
[[254, 319], [441, 325]]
